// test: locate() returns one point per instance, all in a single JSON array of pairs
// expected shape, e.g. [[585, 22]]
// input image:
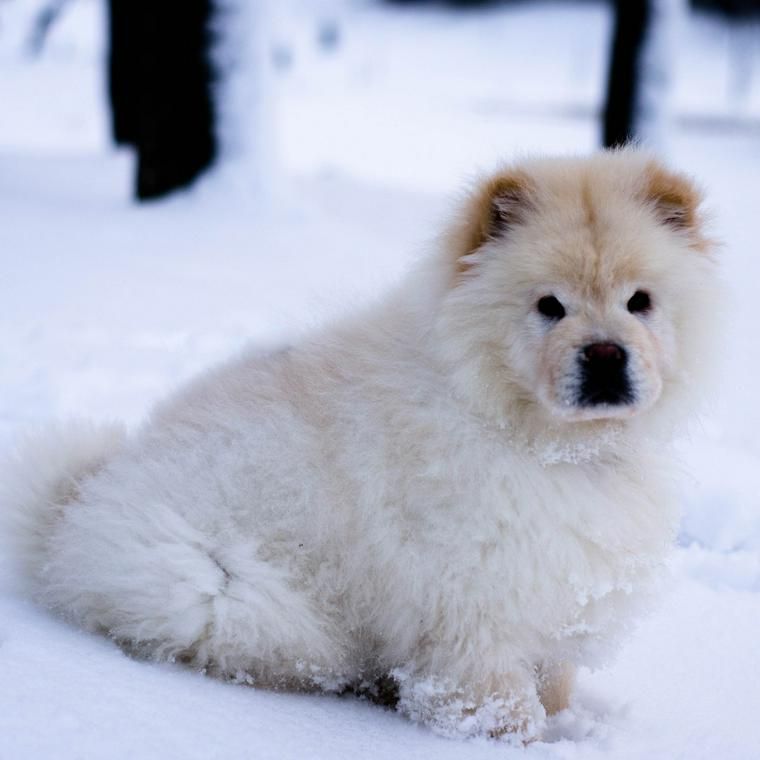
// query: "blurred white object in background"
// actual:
[[246, 123], [741, 50], [655, 110]]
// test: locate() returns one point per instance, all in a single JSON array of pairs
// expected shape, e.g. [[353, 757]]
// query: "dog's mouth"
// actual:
[[599, 385]]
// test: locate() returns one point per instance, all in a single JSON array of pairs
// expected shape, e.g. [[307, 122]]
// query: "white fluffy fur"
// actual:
[[393, 495]]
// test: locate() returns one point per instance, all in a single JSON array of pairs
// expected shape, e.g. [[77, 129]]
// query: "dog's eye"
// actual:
[[550, 307], [639, 302]]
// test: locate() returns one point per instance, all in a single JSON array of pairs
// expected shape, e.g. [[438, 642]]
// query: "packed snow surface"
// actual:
[[106, 306]]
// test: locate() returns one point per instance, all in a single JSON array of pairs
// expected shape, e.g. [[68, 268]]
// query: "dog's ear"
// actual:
[[675, 200], [508, 202], [489, 213]]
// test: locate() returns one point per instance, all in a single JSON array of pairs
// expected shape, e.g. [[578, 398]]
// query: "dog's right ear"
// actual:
[[676, 201], [489, 213]]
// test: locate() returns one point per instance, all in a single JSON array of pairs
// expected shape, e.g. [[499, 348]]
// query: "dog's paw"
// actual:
[[514, 715]]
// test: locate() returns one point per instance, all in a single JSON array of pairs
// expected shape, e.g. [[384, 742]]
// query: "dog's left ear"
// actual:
[[490, 212], [675, 200]]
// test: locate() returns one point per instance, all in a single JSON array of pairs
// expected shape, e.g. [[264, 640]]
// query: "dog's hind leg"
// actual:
[[165, 589]]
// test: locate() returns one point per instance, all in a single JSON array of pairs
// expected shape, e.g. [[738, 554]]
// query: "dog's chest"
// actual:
[[550, 549]]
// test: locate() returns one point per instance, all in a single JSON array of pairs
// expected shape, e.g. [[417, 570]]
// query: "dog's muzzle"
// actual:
[[604, 375]]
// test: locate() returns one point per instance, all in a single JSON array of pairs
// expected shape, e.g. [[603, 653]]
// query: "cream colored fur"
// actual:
[[410, 491]]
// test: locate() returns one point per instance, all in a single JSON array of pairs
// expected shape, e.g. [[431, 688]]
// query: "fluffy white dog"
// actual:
[[461, 490]]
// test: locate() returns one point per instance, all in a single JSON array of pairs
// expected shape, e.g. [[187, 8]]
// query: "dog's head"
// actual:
[[578, 285]]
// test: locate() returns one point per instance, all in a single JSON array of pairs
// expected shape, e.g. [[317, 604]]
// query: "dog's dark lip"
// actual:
[[607, 397]]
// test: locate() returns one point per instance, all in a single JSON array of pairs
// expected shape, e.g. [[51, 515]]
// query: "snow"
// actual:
[[107, 306]]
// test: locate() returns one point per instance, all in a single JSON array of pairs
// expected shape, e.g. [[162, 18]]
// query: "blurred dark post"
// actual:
[[160, 85], [632, 19], [122, 68]]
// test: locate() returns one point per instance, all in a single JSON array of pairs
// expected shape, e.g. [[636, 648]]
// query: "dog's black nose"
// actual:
[[604, 378], [607, 353]]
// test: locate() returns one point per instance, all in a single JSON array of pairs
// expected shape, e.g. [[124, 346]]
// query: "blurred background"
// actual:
[[407, 91], [177, 180], [180, 179]]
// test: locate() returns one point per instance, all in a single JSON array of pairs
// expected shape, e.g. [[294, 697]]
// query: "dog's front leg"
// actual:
[[555, 684], [497, 706]]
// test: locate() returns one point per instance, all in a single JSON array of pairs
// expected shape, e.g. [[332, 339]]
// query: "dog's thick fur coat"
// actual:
[[412, 492]]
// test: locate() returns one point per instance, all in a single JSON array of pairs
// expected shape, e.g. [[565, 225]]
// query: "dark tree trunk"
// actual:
[[735, 10], [632, 18], [122, 72], [160, 81]]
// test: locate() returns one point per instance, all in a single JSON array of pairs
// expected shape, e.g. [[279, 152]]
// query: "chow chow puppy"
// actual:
[[461, 491]]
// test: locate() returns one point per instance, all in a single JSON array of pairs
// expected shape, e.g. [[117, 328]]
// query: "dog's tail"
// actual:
[[38, 478]]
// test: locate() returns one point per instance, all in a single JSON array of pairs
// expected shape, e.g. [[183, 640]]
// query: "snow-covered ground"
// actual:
[[105, 306]]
